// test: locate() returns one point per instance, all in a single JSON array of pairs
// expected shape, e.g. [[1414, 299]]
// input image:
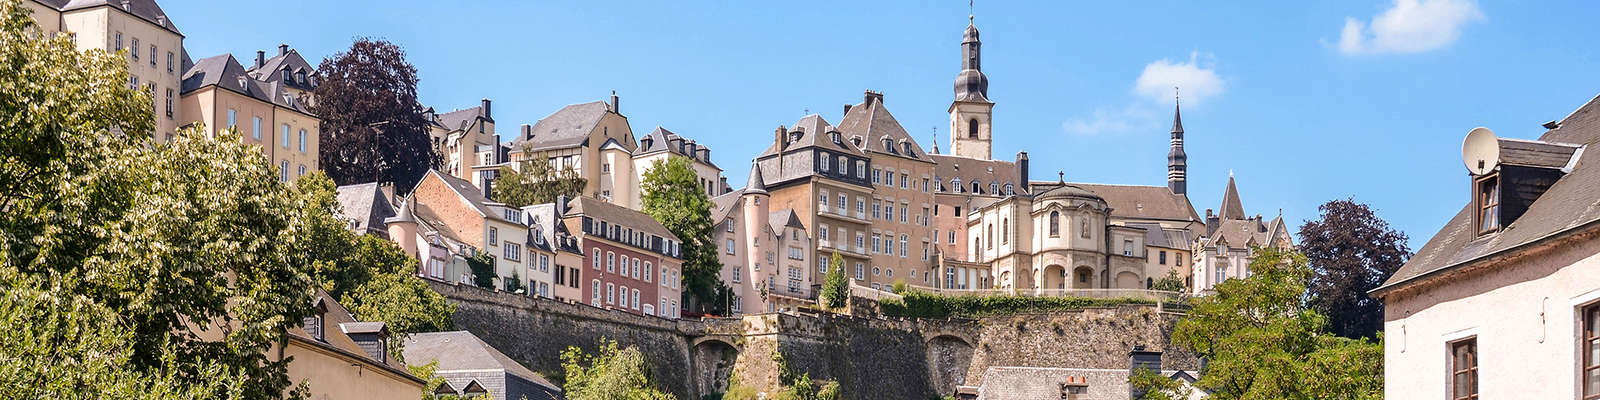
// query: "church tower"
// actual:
[[1177, 161], [970, 123]]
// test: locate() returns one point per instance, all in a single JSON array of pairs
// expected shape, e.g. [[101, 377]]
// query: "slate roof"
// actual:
[[225, 72], [1231, 207], [1571, 204], [1238, 233], [661, 139], [548, 231], [600, 210], [291, 60], [463, 351], [336, 338], [722, 206], [1154, 235], [468, 193], [567, 127], [813, 131], [968, 169], [367, 204], [785, 218], [1138, 201], [871, 121], [461, 119], [146, 10]]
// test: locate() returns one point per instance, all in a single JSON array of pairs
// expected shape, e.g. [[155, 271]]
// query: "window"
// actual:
[[861, 169], [972, 128], [875, 243], [730, 246], [544, 263], [955, 186], [736, 272], [843, 203], [611, 262], [1055, 224], [1127, 247], [649, 272], [877, 209], [169, 102], [888, 212], [823, 233], [302, 171], [796, 254], [990, 237], [283, 170], [635, 268], [976, 188], [513, 251], [256, 131], [119, 41], [994, 188], [876, 271], [903, 246], [730, 225], [875, 176], [302, 140], [152, 55], [595, 289], [1464, 369], [611, 293], [952, 237], [904, 212], [1163, 257], [285, 136], [822, 264], [861, 271], [232, 120], [595, 261], [169, 62], [1005, 230], [134, 50], [1488, 200], [825, 162], [1591, 352], [822, 200], [904, 181], [313, 325]]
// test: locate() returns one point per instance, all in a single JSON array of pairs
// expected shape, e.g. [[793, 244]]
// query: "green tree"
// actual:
[[612, 373], [1171, 283], [835, 287], [536, 182], [482, 266], [1351, 251], [1158, 387], [1263, 342], [373, 129], [673, 195]]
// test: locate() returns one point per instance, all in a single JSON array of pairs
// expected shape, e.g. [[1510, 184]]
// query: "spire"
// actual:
[[1177, 160], [971, 84], [935, 141], [757, 185], [1231, 208]]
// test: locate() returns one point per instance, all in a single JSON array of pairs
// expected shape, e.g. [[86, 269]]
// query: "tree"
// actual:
[[1262, 342], [373, 129], [482, 266], [117, 255], [1171, 283], [835, 287], [672, 194], [611, 373], [1156, 386], [1351, 251], [536, 182]]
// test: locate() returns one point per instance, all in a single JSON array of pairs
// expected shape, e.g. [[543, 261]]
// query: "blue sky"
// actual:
[[1304, 102]]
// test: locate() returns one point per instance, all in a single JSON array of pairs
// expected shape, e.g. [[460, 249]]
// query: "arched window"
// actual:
[[990, 242], [1005, 230], [1055, 224], [972, 128]]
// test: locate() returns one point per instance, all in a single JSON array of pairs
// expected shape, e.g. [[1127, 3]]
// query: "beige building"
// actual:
[[765, 253], [461, 214], [466, 143], [1504, 301], [339, 358], [265, 109], [813, 170], [1226, 249], [140, 29]]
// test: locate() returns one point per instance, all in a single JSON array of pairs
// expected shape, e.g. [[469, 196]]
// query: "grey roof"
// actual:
[[756, 184], [722, 206], [1238, 233], [998, 172], [871, 121], [338, 340], [661, 139], [225, 72], [616, 214], [367, 204], [1530, 153], [1177, 118], [292, 61], [548, 231], [812, 131], [1231, 207], [1567, 206], [362, 327], [146, 10], [567, 127], [1143, 202], [1068, 190], [461, 119], [461, 350], [785, 218]]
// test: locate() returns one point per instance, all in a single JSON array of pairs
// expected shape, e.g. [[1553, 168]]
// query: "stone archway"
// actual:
[[1054, 277], [1083, 277], [1128, 280], [713, 360], [949, 357]]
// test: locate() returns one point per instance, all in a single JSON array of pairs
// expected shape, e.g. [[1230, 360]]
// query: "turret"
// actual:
[[403, 229], [1177, 160], [757, 206]]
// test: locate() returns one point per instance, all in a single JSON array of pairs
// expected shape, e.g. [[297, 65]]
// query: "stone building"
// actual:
[[775, 276], [268, 105], [471, 368], [140, 29], [1507, 293], [634, 263], [813, 170], [457, 212], [1226, 248], [466, 143]]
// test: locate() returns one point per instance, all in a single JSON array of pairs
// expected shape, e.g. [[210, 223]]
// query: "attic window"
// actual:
[[855, 140], [907, 146], [1487, 199]]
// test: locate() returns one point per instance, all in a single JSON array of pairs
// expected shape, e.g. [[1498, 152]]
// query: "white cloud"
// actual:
[[1197, 82], [1409, 26]]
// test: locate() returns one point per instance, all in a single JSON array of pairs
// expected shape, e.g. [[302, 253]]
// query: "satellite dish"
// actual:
[[1480, 151]]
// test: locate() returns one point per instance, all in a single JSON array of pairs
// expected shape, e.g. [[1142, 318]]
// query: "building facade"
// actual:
[[466, 143], [341, 358], [141, 31], [634, 263], [765, 253], [267, 105], [1508, 291], [1228, 245], [461, 213]]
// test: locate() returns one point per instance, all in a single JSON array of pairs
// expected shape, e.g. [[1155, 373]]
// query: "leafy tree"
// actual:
[[372, 127], [1262, 342], [672, 195], [1351, 251], [536, 182], [482, 266], [513, 283], [835, 287], [1171, 283], [1157, 387], [612, 373]]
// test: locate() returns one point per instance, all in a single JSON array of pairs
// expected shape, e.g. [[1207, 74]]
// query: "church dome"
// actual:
[[972, 85], [971, 35], [1070, 191]]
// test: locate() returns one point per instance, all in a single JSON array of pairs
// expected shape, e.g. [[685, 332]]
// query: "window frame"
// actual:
[[1471, 342], [1487, 204], [1588, 341]]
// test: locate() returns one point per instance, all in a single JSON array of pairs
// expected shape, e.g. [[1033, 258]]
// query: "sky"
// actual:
[[1303, 102]]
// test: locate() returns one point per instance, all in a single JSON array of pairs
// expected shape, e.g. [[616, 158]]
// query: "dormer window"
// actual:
[[300, 77], [313, 324], [1487, 199], [288, 75]]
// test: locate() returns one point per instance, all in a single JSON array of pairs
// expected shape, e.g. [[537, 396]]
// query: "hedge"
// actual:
[[920, 304]]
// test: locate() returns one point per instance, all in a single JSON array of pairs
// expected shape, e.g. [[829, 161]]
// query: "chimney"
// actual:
[[1022, 171], [781, 137], [846, 110], [1140, 359], [561, 205], [125, 6], [261, 58], [527, 131], [616, 105], [486, 114], [872, 96], [283, 49]]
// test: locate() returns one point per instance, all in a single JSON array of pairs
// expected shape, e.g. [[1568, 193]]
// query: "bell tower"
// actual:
[[970, 123]]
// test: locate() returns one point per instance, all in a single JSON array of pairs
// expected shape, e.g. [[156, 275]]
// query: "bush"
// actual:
[[919, 304]]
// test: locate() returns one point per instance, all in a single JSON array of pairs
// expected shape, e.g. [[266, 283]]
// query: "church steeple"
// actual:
[[1177, 161], [970, 123]]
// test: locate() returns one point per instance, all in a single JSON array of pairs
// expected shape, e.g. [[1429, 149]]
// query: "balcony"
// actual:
[[844, 214]]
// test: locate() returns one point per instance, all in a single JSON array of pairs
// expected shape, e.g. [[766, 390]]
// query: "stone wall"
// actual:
[[871, 357]]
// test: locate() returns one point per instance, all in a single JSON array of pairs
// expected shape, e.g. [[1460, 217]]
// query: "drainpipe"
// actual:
[[1106, 283]]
